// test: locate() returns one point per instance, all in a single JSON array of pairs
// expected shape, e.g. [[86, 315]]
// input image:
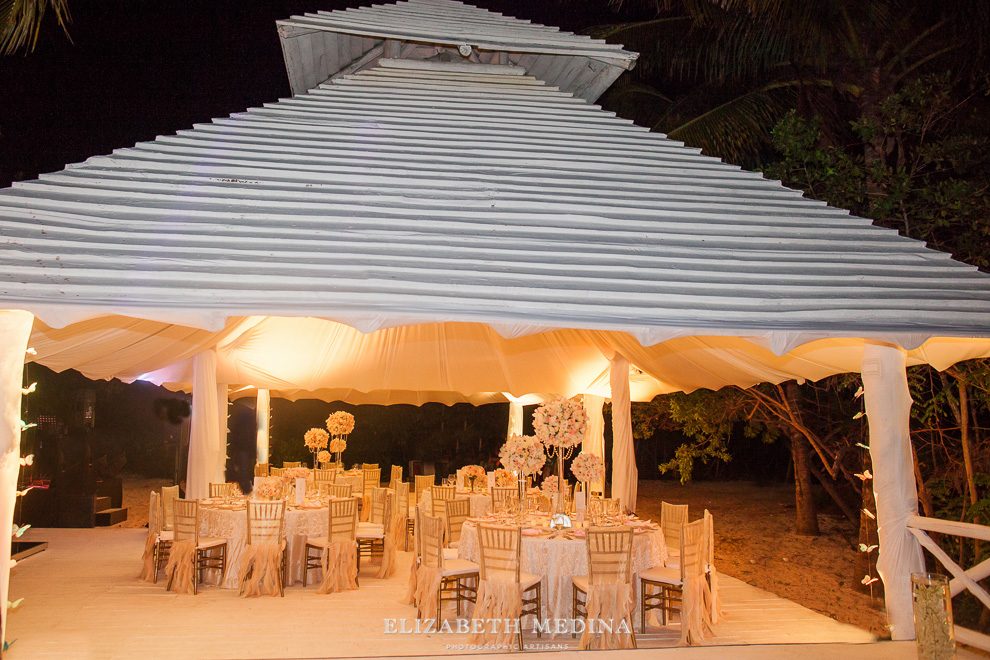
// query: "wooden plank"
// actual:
[[368, 59], [969, 530], [293, 65], [972, 638], [951, 565]]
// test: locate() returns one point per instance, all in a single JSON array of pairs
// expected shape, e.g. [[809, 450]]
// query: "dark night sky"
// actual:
[[138, 69]]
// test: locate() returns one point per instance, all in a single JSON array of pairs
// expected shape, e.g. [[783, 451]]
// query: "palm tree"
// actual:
[[20, 22], [729, 69]]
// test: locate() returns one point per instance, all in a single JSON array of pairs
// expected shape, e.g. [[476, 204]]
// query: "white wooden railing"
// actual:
[[961, 579]]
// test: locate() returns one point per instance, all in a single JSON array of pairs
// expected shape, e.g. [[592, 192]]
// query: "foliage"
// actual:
[[21, 20]]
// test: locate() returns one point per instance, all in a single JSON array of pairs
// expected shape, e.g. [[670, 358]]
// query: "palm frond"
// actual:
[[20, 22]]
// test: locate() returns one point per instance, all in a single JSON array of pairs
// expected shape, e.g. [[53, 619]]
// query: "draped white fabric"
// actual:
[[515, 418], [594, 438], [15, 327], [888, 406], [205, 450], [223, 405], [625, 476], [262, 416]]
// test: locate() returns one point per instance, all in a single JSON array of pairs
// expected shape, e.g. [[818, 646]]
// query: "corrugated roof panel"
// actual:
[[466, 203]]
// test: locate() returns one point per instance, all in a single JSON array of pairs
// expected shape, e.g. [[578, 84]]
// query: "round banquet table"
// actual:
[[481, 503], [223, 521], [557, 559], [355, 480]]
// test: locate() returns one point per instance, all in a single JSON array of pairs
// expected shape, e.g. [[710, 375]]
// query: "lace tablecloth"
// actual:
[[355, 480], [232, 525], [557, 559], [481, 503]]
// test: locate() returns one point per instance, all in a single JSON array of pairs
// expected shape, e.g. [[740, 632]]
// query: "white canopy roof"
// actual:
[[428, 231]]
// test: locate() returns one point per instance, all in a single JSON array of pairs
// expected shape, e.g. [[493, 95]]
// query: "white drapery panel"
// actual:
[[223, 414], [594, 439], [625, 476], [205, 449], [15, 328], [515, 418], [262, 417], [888, 406]]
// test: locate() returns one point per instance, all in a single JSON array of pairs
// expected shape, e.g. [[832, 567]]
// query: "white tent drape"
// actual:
[[223, 414], [515, 418], [262, 416], [15, 328], [594, 439], [205, 449], [624, 472], [888, 406]]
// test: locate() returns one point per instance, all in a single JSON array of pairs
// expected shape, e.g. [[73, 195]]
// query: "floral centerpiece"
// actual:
[[588, 468], [291, 474], [316, 439], [323, 458], [560, 424], [550, 487], [504, 478], [340, 424], [269, 488], [471, 474]]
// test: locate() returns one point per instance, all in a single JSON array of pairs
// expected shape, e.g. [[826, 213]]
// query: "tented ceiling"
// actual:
[[420, 228]]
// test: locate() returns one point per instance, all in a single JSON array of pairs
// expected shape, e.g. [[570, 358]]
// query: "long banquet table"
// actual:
[[229, 521], [481, 503], [557, 558]]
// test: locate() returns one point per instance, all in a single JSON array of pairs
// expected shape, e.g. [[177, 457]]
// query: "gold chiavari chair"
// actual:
[[439, 496], [221, 490], [395, 477], [324, 476], [191, 554], [261, 469], [457, 511], [672, 516], [265, 541], [158, 540], [402, 509], [339, 570], [669, 582], [500, 552], [372, 478], [609, 573], [169, 495], [369, 466], [371, 533], [336, 490], [291, 464], [422, 482], [275, 472], [504, 499], [452, 573]]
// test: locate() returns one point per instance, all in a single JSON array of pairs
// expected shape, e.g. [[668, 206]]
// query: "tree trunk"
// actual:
[[806, 523]]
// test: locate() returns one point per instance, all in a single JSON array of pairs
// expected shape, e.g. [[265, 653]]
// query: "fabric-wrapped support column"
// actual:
[[888, 406], [205, 449], [624, 473], [15, 329], [263, 415], [515, 419], [594, 438]]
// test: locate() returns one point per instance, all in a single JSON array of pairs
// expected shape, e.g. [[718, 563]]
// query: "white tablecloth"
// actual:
[[355, 480], [232, 525], [481, 503], [557, 559]]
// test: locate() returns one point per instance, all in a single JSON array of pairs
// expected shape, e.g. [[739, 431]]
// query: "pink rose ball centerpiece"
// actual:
[[472, 475], [504, 478], [560, 424], [269, 488], [588, 468], [340, 424], [323, 458], [316, 439], [522, 454]]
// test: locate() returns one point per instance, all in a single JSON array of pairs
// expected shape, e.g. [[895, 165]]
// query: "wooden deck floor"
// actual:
[[82, 600]]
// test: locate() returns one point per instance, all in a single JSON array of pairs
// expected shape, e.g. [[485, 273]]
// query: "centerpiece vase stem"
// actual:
[[522, 495], [560, 481]]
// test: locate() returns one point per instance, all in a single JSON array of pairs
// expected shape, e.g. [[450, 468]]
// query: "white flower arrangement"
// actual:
[[550, 486], [323, 457], [337, 445], [291, 474], [523, 453], [269, 487], [340, 423], [475, 471], [316, 439], [560, 423], [588, 467], [504, 478]]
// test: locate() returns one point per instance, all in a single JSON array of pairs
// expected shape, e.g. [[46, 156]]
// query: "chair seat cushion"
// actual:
[[166, 535], [664, 574], [365, 525], [581, 582], [528, 580], [457, 567], [673, 562], [371, 532], [210, 543], [449, 553], [317, 542]]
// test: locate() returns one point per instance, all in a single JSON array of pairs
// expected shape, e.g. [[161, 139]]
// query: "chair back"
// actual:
[[369, 466], [337, 490], [402, 499], [504, 498], [372, 478], [155, 516], [429, 530], [276, 472], [221, 490], [693, 550], [439, 495], [500, 548], [291, 464], [261, 469], [610, 555], [343, 520], [324, 476], [185, 518], [265, 521], [422, 482], [457, 512], [169, 495], [709, 559], [377, 514], [396, 476], [672, 516]]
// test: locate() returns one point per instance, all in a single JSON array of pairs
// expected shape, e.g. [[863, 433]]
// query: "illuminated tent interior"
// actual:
[[440, 213]]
